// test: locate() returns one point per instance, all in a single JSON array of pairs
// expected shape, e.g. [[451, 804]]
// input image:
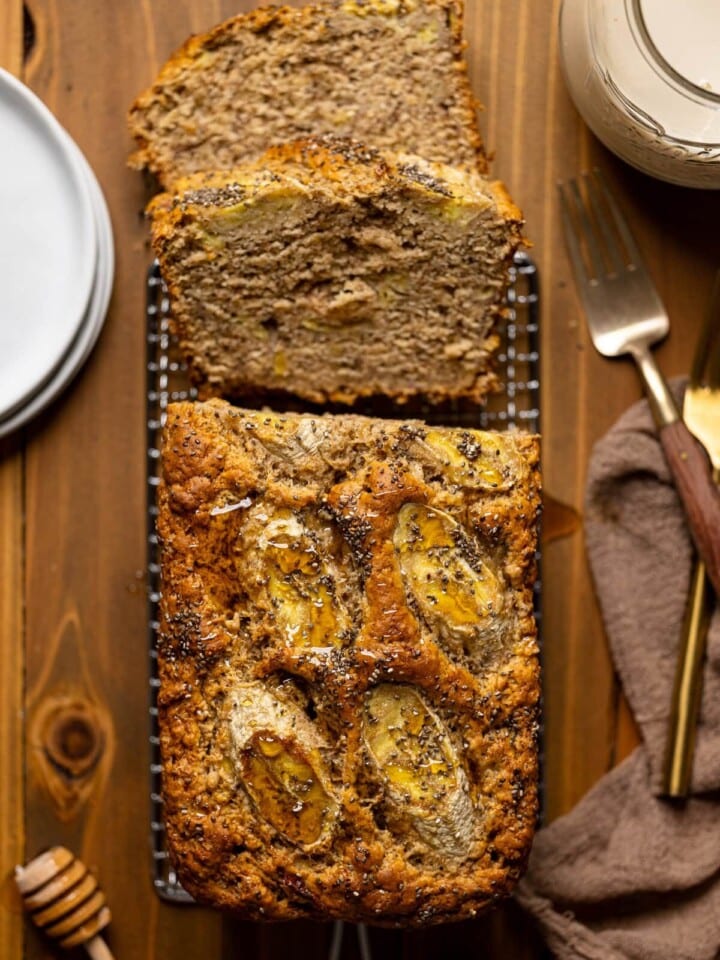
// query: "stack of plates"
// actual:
[[56, 257]]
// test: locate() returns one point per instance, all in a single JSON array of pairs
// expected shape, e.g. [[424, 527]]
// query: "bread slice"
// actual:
[[348, 665], [387, 72], [333, 271]]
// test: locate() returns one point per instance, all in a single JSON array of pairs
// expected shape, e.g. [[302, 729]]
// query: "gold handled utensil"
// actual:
[[625, 315], [701, 412], [64, 900]]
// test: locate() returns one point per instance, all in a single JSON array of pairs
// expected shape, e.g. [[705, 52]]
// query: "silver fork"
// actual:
[[626, 315]]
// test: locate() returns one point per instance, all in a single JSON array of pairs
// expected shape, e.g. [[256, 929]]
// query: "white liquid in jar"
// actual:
[[645, 75], [687, 37]]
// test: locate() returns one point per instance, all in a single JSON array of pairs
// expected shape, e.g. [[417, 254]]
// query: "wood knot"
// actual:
[[73, 738], [69, 734], [69, 738]]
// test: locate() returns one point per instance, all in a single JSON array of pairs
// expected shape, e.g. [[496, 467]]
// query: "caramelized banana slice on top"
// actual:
[[278, 755], [472, 461], [461, 600], [301, 583], [415, 756]]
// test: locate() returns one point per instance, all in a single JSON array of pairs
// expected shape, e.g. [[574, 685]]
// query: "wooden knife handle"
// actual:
[[690, 467]]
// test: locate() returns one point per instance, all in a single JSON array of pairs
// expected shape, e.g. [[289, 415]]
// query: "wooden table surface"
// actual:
[[73, 648]]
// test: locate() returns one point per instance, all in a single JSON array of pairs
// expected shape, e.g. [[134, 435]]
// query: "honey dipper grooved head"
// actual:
[[63, 898]]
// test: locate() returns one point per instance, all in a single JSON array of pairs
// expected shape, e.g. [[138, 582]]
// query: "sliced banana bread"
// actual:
[[332, 272], [387, 72], [348, 666]]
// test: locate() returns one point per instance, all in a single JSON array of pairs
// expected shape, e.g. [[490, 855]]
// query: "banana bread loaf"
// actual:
[[333, 271], [349, 679], [387, 72]]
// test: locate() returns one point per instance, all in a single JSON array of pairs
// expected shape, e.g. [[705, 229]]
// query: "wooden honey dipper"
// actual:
[[64, 900]]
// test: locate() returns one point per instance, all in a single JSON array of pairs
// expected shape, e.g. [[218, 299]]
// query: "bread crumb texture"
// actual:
[[331, 271], [348, 663], [390, 73]]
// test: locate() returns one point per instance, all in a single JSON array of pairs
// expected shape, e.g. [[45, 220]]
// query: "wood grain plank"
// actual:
[[12, 835], [305, 939], [11, 36], [86, 639], [538, 141], [84, 485], [153, 31]]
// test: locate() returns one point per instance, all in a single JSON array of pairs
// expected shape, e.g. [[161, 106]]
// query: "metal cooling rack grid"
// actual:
[[517, 406]]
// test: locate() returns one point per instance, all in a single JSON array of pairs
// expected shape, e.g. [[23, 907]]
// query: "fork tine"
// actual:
[[573, 244], [588, 230], [599, 209], [706, 364], [633, 252]]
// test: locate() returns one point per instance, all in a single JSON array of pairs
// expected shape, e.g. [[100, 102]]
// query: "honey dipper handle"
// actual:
[[98, 949]]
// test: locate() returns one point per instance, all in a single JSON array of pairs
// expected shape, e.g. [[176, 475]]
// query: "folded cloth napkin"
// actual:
[[627, 875]]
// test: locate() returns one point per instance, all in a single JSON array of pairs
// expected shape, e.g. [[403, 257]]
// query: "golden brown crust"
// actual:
[[353, 168], [261, 514], [262, 20]]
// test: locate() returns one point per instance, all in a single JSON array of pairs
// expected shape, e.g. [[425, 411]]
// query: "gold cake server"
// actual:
[[701, 413]]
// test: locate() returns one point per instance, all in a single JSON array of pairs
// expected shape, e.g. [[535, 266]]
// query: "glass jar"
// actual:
[[645, 76]]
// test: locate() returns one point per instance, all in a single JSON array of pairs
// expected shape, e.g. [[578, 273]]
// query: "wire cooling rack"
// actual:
[[516, 406]]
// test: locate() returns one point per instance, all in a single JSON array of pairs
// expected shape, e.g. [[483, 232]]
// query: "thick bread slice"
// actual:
[[388, 72], [348, 665], [333, 271]]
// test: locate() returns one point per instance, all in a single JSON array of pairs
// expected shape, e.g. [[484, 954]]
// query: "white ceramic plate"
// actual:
[[48, 244], [94, 317]]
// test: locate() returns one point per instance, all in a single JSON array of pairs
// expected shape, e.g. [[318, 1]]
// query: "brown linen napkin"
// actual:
[[625, 875]]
